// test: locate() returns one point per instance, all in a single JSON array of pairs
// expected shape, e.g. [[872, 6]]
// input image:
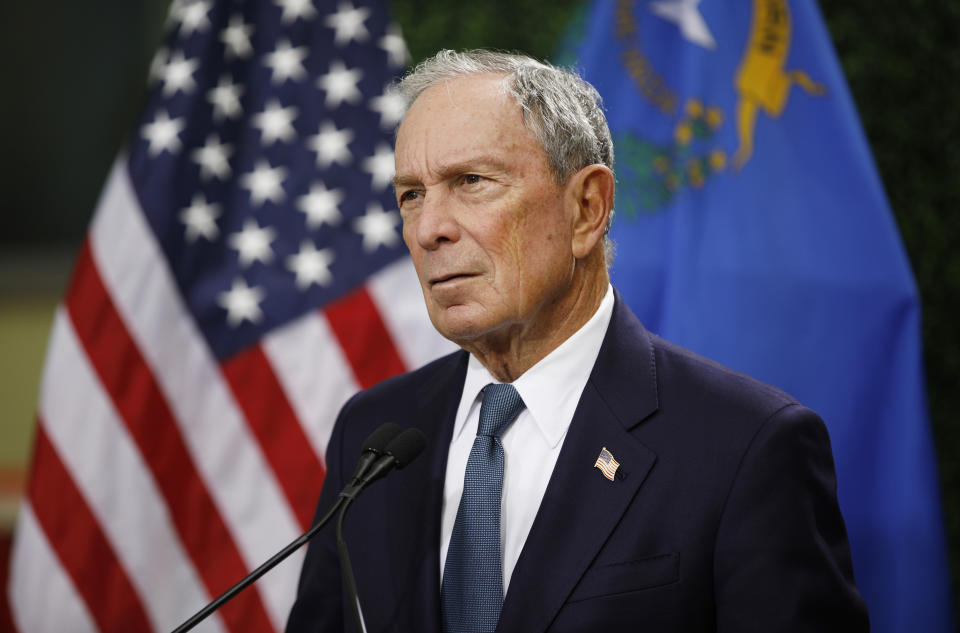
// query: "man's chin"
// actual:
[[459, 324]]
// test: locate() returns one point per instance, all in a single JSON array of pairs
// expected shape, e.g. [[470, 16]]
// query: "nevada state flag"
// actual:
[[752, 227]]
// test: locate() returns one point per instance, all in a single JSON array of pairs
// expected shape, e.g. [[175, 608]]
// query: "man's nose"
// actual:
[[436, 222]]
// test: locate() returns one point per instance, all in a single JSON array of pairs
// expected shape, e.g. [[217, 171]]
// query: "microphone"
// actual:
[[373, 447], [401, 450], [379, 449]]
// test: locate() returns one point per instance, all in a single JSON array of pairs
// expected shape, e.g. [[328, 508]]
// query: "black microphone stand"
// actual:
[[274, 560], [400, 449], [398, 453], [346, 570]]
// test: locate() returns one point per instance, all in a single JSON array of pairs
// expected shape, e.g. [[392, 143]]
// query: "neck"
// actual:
[[507, 355]]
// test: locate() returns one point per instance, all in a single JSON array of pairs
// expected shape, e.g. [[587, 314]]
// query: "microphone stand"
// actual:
[[274, 560], [346, 569], [400, 448]]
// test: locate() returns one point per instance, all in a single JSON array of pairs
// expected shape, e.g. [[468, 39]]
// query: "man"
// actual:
[[628, 483]]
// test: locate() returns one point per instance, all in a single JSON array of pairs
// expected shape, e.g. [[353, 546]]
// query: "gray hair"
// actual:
[[562, 111]]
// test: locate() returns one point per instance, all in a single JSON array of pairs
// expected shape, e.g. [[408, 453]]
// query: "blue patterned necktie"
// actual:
[[472, 592]]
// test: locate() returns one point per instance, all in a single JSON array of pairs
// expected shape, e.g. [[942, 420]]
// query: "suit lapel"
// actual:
[[581, 507], [415, 500]]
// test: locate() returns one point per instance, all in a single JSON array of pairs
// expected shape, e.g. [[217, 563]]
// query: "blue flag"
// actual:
[[752, 227]]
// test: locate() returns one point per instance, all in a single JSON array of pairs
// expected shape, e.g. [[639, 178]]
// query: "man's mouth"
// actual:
[[440, 279]]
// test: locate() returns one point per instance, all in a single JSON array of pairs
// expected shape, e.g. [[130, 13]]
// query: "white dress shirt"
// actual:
[[551, 390]]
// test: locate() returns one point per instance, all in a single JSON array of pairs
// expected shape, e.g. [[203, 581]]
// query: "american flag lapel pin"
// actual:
[[607, 464]]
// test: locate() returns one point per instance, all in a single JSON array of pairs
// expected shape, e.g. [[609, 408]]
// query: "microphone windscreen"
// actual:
[[378, 441], [406, 446]]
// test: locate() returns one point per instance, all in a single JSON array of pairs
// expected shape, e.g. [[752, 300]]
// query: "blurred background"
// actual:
[[74, 80]]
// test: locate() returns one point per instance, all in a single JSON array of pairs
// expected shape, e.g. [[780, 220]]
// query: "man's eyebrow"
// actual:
[[405, 181]]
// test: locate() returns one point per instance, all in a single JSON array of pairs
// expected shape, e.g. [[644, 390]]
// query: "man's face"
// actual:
[[485, 222]]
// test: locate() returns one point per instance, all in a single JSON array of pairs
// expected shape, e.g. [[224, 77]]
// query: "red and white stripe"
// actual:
[[161, 476]]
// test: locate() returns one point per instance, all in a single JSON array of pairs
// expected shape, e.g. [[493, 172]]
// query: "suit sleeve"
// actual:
[[782, 560], [319, 604]]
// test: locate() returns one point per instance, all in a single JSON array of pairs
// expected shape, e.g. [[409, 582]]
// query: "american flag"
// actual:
[[607, 464], [243, 275]]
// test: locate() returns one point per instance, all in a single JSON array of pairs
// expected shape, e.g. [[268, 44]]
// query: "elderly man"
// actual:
[[581, 473]]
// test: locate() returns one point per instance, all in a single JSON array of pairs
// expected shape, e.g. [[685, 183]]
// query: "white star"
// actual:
[[242, 303], [396, 48], [380, 166], [253, 243], [163, 134], [275, 123], [348, 24], [201, 219], [193, 16], [293, 9], [178, 74], [686, 15], [285, 62], [311, 266], [265, 183], [340, 84], [378, 227], [236, 38], [225, 98], [157, 65], [330, 144], [321, 205], [212, 158], [391, 105]]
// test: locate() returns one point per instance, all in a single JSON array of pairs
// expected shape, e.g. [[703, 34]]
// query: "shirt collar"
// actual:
[[550, 389]]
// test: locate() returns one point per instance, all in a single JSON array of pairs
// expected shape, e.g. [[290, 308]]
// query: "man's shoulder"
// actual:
[[676, 378], [405, 400], [685, 374], [406, 391], [718, 413], [706, 412]]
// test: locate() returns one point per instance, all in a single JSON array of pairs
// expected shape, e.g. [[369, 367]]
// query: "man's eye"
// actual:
[[471, 179], [406, 196]]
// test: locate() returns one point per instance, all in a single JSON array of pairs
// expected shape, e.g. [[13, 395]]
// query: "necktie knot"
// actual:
[[501, 405]]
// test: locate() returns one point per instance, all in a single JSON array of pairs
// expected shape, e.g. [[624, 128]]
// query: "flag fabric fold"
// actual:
[[751, 226], [243, 275]]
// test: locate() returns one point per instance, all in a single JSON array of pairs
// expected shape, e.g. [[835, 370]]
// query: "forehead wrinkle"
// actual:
[[454, 96]]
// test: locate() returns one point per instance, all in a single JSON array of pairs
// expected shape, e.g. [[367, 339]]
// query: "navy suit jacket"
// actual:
[[725, 518]]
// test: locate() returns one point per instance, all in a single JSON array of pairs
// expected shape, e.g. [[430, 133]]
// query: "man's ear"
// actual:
[[591, 189]]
